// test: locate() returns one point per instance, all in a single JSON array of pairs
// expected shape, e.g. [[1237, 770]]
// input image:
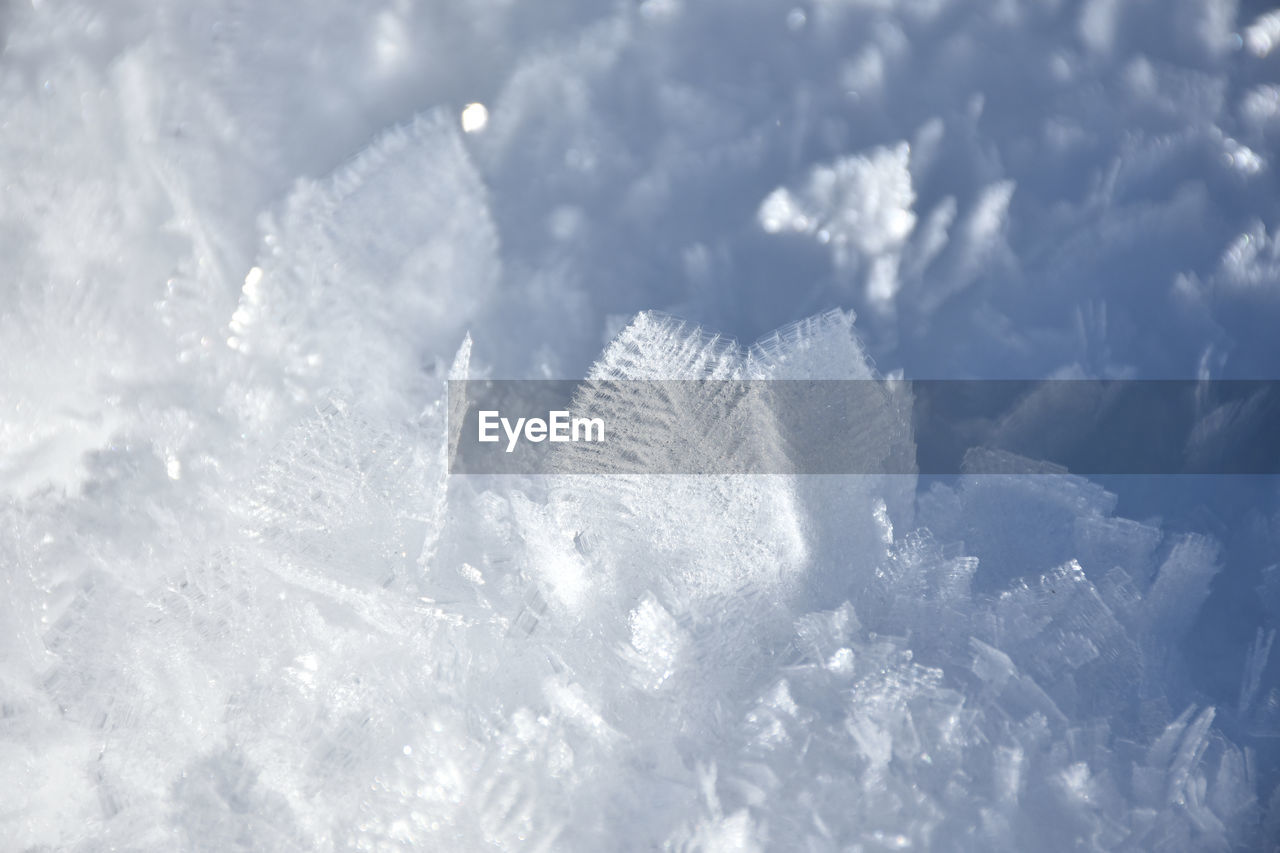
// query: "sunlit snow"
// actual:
[[245, 607]]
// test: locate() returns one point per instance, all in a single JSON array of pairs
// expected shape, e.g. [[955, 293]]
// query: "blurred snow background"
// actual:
[[244, 244]]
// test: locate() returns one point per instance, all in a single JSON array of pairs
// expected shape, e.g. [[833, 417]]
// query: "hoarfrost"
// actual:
[[246, 607]]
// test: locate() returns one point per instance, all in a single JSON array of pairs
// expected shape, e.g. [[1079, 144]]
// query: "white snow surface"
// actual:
[[243, 245]]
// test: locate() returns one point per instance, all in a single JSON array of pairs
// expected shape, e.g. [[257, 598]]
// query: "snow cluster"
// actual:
[[245, 245]]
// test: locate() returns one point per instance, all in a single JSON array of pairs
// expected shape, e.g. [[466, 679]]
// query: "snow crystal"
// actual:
[[860, 207], [1263, 34], [245, 606]]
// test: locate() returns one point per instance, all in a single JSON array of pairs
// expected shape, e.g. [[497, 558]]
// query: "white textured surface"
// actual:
[[243, 607]]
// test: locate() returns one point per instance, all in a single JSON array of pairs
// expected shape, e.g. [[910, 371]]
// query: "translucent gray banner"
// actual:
[[935, 427]]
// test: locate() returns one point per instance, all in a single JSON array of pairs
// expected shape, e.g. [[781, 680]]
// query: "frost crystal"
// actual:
[[244, 605]]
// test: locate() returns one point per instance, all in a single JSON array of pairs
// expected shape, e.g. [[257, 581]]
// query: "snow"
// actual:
[[244, 605]]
